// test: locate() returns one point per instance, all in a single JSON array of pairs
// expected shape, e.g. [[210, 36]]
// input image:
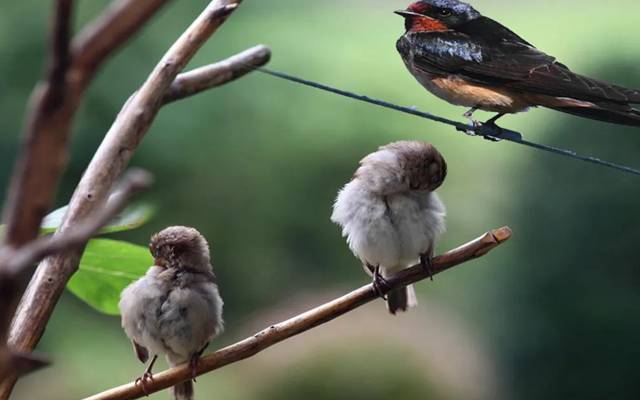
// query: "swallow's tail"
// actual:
[[616, 113]]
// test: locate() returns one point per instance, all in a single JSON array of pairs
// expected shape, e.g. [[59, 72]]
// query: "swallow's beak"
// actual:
[[407, 14]]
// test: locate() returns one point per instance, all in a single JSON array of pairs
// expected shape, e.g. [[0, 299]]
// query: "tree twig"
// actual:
[[133, 182], [307, 320], [210, 76], [110, 160], [117, 24]]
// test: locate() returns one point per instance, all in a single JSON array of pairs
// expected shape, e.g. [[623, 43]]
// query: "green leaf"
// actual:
[[130, 218], [106, 268]]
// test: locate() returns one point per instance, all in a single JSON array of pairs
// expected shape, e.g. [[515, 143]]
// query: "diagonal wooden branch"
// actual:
[[214, 75], [305, 321], [106, 166], [18, 260]]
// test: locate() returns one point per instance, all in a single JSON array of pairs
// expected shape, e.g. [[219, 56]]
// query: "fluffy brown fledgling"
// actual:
[[390, 213], [175, 309]]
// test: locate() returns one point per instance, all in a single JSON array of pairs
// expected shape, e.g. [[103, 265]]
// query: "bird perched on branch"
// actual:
[[470, 60], [391, 215], [175, 309]]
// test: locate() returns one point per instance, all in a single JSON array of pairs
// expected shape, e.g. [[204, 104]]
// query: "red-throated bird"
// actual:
[[471, 60]]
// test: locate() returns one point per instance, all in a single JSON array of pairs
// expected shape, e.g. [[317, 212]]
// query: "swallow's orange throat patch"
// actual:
[[426, 24]]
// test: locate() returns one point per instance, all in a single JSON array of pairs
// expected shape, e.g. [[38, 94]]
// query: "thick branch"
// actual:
[[210, 76], [305, 321], [27, 202], [106, 166]]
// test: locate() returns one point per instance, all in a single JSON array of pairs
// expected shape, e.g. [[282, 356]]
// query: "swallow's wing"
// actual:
[[503, 58]]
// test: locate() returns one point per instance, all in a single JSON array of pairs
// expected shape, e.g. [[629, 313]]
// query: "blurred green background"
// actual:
[[255, 166]]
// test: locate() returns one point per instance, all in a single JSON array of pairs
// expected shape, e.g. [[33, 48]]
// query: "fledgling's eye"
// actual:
[[444, 13]]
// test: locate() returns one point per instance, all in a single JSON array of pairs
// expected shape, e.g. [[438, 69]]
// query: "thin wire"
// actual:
[[488, 131]]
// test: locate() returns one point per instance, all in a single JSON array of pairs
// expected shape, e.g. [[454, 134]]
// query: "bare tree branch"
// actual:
[[210, 76], [109, 31], [19, 364], [27, 203], [305, 321], [133, 182], [106, 166]]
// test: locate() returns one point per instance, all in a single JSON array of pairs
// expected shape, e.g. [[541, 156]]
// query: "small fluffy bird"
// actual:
[[175, 309], [390, 214], [470, 60]]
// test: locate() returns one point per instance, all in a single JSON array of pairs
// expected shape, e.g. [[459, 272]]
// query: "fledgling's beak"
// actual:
[[407, 13], [159, 262]]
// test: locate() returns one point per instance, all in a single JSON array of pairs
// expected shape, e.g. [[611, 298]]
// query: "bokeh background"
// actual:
[[255, 166]]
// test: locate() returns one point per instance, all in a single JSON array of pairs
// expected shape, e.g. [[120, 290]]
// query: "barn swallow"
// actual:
[[470, 60]]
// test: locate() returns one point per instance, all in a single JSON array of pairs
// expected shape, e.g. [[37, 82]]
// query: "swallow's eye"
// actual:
[[444, 12]]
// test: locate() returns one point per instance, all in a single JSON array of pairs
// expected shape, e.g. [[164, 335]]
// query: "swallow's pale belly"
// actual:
[[460, 92]]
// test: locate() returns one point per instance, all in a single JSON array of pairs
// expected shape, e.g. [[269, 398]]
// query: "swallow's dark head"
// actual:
[[437, 15]]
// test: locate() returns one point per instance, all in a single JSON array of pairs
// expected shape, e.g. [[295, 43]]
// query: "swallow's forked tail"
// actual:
[[609, 112]]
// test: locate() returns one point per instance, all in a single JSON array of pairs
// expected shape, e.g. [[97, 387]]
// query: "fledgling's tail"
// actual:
[[183, 390], [401, 299], [607, 112]]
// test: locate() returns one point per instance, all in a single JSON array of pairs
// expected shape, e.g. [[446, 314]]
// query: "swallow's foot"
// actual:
[[380, 285], [425, 261], [491, 131], [143, 380], [474, 124], [469, 113]]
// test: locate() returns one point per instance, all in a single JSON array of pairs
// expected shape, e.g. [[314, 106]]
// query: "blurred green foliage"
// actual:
[[255, 166], [106, 268]]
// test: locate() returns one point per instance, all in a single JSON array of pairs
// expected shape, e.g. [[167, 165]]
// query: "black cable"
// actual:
[[488, 131]]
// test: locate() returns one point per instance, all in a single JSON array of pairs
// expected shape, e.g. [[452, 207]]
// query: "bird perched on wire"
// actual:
[[391, 215], [175, 309], [470, 60]]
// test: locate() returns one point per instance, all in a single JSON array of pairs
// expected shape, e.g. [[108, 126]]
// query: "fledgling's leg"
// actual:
[[378, 281], [146, 376], [193, 362], [425, 261]]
